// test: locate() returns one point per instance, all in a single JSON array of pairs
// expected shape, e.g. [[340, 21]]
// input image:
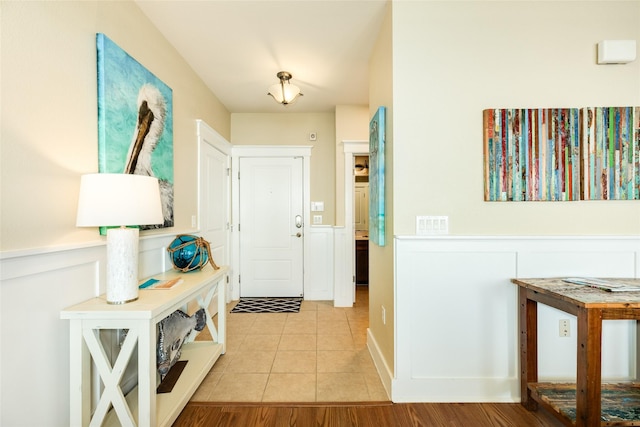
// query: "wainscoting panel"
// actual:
[[34, 287], [456, 313], [318, 277], [344, 279], [35, 342]]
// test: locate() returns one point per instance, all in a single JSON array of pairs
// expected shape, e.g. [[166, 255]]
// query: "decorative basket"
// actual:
[[189, 253]]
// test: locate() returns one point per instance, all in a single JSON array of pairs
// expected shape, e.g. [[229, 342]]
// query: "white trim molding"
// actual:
[[345, 284]]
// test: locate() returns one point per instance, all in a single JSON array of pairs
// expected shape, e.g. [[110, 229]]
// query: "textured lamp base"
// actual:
[[122, 265]]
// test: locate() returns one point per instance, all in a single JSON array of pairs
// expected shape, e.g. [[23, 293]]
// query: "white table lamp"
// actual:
[[119, 200]]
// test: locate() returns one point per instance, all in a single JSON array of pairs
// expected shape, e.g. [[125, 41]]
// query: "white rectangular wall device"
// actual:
[[432, 225], [616, 51]]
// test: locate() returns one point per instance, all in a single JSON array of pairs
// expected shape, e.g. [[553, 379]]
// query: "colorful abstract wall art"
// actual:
[[562, 154], [611, 147], [135, 122], [376, 177]]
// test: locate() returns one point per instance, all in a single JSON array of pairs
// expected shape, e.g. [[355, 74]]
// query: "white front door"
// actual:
[[271, 227]]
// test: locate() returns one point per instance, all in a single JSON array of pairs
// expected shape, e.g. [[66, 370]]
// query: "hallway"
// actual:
[[316, 355]]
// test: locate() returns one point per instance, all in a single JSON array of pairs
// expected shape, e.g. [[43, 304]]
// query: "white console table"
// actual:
[[142, 406]]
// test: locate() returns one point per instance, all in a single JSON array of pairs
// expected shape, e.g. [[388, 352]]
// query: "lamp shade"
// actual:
[[284, 93], [118, 199]]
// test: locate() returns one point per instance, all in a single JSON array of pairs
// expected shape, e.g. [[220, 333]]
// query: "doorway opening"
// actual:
[[361, 219], [355, 153]]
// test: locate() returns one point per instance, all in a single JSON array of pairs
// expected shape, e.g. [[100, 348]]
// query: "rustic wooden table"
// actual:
[[590, 306]]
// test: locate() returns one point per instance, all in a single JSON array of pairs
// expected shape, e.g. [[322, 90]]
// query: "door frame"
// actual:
[[345, 291], [239, 151]]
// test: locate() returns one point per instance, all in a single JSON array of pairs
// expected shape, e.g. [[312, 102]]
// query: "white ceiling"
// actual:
[[237, 47]]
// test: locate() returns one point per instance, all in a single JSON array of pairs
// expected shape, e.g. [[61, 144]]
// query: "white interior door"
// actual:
[[361, 209], [214, 206], [214, 210], [271, 227]]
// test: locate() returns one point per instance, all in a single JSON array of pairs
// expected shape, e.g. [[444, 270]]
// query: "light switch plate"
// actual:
[[432, 225]]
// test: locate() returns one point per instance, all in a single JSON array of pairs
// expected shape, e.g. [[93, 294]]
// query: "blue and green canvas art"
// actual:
[[135, 121], [376, 177]]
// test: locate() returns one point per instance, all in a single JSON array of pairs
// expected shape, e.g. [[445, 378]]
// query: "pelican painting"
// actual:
[[149, 128], [135, 122]]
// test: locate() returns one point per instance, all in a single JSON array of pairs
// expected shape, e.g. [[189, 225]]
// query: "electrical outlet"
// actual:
[[564, 329], [317, 219], [384, 315]]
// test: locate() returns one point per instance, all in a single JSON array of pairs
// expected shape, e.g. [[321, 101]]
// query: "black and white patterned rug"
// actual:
[[267, 305]]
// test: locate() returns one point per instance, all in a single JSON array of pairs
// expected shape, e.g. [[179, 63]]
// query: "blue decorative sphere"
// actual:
[[188, 252]]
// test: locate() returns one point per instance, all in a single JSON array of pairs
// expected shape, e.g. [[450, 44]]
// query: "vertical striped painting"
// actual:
[[562, 154]]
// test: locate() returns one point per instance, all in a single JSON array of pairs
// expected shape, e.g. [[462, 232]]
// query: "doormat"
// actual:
[[267, 305]]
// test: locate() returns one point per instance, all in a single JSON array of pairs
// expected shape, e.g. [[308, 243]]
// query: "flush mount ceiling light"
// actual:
[[284, 92]]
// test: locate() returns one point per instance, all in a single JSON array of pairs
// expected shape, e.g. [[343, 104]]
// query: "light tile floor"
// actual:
[[316, 355]]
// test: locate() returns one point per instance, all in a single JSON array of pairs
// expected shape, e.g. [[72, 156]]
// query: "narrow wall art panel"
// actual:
[[562, 154], [135, 122], [611, 145], [376, 177]]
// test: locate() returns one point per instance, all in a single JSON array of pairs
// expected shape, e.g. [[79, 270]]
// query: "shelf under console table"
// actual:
[[142, 406]]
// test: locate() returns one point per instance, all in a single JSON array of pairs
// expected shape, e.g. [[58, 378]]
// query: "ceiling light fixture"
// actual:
[[284, 92]]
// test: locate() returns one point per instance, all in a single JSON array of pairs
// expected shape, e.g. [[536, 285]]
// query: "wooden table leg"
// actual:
[[528, 311], [637, 350], [589, 377]]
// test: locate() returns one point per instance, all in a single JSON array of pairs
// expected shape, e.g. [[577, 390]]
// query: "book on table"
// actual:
[[160, 284], [617, 285]]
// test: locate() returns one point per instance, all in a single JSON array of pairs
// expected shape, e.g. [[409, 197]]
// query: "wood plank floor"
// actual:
[[368, 414]]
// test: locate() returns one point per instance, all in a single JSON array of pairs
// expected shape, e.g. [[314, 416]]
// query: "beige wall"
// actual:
[[352, 124], [381, 271], [49, 113], [294, 129], [451, 60]]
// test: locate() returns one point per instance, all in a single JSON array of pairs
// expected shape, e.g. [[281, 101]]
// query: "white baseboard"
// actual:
[[386, 374]]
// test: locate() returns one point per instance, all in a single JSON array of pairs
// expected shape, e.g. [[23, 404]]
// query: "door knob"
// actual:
[[298, 234]]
